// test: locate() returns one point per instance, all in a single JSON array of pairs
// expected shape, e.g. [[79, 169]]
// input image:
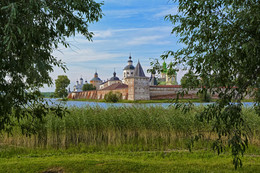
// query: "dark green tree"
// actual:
[[61, 86], [222, 41], [87, 87], [29, 33]]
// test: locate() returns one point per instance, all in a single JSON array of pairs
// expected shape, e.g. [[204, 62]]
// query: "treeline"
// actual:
[[47, 94]]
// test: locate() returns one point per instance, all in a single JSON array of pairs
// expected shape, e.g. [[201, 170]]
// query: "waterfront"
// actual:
[[106, 105]]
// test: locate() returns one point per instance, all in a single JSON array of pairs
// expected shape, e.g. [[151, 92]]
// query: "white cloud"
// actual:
[[112, 32], [156, 39], [121, 2], [122, 13], [137, 12], [166, 11], [102, 34], [85, 55]]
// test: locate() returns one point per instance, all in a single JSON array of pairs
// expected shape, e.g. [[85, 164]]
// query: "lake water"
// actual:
[[106, 105]]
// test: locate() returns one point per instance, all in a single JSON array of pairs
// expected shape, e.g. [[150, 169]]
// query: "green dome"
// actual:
[[164, 66]]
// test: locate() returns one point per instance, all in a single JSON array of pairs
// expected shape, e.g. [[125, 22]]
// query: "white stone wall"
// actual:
[[141, 88], [154, 91], [131, 91]]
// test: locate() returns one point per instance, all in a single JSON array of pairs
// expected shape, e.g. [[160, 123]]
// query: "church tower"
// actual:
[[138, 85], [128, 70]]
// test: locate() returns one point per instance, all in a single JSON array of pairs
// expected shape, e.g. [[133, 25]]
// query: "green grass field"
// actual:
[[146, 161], [123, 139]]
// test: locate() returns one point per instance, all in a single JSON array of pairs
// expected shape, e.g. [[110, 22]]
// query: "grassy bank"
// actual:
[[39, 160]]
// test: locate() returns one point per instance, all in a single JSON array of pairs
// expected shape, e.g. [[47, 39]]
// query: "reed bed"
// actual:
[[127, 128]]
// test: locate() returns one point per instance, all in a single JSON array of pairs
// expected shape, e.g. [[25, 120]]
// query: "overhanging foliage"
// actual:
[[222, 41], [29, 32]]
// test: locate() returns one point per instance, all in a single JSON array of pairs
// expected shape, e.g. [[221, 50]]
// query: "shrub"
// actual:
[[113, 97]]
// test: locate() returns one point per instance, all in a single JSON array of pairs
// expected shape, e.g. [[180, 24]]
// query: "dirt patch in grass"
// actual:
[[54, 170]]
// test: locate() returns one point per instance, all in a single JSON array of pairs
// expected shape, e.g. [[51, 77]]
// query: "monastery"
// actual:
[[134, 85]]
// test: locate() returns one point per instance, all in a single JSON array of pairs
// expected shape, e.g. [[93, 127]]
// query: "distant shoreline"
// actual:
[[153, 101]]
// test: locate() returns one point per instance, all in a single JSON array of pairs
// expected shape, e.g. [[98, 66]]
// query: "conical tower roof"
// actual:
[[139, 72]]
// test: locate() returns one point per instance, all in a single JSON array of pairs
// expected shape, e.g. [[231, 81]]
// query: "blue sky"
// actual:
[[129, 26]]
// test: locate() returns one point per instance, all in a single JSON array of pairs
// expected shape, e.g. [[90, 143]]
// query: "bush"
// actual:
[[113, 97]]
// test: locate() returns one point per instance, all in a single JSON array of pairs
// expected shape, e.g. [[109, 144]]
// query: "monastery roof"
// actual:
[[116, 86], [139, 72]]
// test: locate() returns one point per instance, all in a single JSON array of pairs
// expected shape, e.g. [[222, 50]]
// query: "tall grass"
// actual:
[[127, 128]]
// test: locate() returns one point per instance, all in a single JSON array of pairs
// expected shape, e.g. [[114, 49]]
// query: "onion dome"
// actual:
[[114, 77], [129, 67], [130, 64], [96, 78]]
